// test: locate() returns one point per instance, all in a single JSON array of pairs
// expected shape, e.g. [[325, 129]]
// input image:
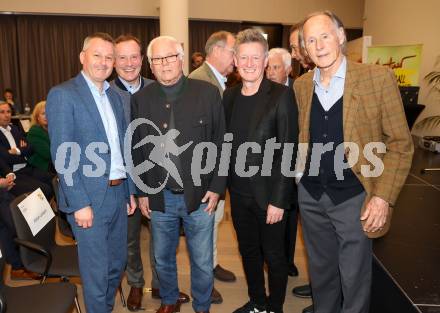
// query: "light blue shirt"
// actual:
[[117, 169], [329, 95], [131, 88], [220, 78]]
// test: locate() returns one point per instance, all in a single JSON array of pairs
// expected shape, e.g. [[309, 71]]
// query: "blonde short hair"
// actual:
[[40, 106]]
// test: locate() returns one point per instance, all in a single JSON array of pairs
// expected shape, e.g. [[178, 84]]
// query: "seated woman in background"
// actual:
[[38, 137]]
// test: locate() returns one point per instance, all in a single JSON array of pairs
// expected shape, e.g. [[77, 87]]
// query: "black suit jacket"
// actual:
[[275, 116], [11, 159], [199, 118]]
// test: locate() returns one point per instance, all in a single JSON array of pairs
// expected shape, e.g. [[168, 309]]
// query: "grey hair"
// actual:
[[216, 39], [179, 48], [285, 56], [103, 36], [251, 35], [336, 22]]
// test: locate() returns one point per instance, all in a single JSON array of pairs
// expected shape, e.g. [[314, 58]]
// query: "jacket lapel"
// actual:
[[212, 77], [89, 103], [350, 105], [116, 107], [305, 108]]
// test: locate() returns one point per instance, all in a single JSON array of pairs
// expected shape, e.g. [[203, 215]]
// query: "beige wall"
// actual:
[[408, 22], [277, 11]]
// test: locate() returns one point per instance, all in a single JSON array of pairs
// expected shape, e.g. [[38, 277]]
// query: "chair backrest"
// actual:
[[45, 238]]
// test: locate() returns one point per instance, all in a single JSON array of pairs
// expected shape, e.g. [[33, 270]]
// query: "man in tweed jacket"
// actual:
[[353, 107]]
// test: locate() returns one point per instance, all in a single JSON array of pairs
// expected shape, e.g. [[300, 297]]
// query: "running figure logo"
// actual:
[[164, 146]]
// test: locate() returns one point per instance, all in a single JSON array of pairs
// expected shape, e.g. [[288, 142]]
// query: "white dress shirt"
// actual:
[[220, 78], [117, 169], [329, 95]]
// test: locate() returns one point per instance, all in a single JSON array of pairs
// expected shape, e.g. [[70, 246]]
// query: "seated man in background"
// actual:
[[8, 96], [38, 138], [14, 151], [7, 228]]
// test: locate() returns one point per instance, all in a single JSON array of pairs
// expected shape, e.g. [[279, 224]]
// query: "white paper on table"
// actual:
[[36, 211]]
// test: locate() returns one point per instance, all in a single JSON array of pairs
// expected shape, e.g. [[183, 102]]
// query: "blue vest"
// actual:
[[326, 127]]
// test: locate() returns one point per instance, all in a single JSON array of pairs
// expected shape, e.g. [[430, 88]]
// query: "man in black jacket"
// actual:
[[261, 115], [179, 114], [14, 150]]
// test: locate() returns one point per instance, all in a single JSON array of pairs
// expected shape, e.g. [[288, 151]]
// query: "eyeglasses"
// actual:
[[169, 59]]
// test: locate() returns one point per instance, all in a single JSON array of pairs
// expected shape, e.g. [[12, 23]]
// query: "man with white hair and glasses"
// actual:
[[185, 112]]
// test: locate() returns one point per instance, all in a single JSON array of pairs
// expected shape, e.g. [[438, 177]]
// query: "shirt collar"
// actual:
[[217, 74], [93, 87], [340, 73], [131, 88], [8, 128]]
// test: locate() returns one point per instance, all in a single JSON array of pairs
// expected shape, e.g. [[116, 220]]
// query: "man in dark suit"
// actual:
[[278, 70], [182, 113], [349, 113], [86, 129], [14, 150], [261, 115], [219, 63]]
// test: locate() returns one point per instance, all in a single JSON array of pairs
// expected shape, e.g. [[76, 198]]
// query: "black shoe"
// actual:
[[250, 307], [309, 309], [304, 291], [293, 271]]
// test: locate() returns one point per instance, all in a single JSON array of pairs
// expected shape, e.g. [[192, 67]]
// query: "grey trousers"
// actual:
[[339, 253], [134, 270]]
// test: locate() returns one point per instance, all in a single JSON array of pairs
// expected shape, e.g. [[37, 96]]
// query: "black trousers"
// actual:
[[29, 179], [258, 243], [291, 229], [7, 232]]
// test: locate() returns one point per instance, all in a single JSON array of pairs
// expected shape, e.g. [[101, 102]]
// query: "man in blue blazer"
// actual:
[[86, 129]]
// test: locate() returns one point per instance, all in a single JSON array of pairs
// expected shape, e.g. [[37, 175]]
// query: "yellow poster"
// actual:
[[403, 60]]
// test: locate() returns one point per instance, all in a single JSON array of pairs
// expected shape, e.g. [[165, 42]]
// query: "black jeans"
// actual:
[[259, 242], [30, 178]]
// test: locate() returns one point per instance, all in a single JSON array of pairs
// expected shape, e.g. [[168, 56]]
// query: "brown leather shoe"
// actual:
[[169, 308], [223, 274], [183, 297], [23, 274], [134, 301], [216, 297]]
